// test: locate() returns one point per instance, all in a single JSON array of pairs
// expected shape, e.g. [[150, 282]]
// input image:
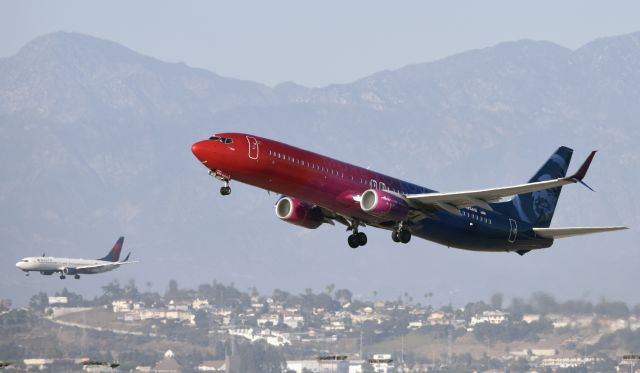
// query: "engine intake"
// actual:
[[383, 204], [300, 213]]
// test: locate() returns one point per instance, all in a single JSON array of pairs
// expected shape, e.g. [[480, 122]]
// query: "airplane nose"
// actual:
[[19, 265], [198, 149]]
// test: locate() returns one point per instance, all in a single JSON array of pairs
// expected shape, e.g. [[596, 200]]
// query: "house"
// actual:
[[293, 321], [491, 317], [199, 304], [414, 325], [320, 365], [168, 364], [269, 318], [439, 318], [530, 317], [382, 363], [214, 366]]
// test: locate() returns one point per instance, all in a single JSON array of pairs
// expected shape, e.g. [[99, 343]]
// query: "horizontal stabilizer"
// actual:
[[573, 231]]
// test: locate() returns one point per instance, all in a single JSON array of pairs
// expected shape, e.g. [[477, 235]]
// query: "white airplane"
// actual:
[[48, 265]]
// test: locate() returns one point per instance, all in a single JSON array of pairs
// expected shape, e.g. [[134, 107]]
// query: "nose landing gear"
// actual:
[[226, 189], [62, 277]]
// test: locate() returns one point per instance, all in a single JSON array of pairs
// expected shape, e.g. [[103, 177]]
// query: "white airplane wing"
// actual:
[[454, 201], [106, 265], [572, 231]]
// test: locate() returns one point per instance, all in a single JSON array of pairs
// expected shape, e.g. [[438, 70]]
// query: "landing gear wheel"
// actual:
[[353, 241], [394, 236], [76, 277], [361, 238], [62, 277], [225, 190], [404, 236]]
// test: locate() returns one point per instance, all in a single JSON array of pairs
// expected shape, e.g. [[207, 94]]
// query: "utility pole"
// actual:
[[402, 354], [449, 343], [361, 356]]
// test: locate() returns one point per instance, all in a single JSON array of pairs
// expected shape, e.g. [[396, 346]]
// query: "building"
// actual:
[[58, 300], [491, 317], [213, 366], [382, 363], [199, 304], [269, 318], [323, 364], [168, 364], [530, 317]]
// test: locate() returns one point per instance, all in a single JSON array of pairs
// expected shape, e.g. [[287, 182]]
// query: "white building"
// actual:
[[492, 317], [272, 338], [382, 363], [319, 366], [58, 300], [293, 321], [269, 318], [198, 304], [414, 325]]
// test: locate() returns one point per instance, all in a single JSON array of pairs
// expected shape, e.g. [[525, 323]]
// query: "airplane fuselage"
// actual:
[[337, 186], [51, 264]]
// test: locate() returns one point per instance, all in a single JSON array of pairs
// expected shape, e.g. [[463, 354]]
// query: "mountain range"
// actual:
[[95, 143]]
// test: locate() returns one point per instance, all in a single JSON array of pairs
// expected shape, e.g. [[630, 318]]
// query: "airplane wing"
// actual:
[[112, 264], [572, 231], [452, 202]]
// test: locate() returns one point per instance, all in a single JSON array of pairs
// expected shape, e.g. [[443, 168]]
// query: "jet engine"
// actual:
[[70, 271], [297, 212], [383, 204]]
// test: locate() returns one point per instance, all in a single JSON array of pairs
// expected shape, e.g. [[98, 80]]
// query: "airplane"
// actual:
[[48, 265], [316, 189]]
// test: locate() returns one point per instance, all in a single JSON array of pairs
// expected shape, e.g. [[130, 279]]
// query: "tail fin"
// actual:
[[114, 254], [537, 207]]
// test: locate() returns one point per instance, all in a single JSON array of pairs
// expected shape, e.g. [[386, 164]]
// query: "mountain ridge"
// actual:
[[95, 148]]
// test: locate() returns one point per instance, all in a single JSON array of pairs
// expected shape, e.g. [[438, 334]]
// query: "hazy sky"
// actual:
[[313, 43]]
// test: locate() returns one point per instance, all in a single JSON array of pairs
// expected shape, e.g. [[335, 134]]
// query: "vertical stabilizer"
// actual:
[[537, 207], [114, 254]]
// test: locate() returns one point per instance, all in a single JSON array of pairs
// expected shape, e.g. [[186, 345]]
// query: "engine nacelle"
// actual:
[[383, 204], [297, 212], [70, 271]]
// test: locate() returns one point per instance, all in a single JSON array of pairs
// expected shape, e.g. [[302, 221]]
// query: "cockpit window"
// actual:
[[224, 140]]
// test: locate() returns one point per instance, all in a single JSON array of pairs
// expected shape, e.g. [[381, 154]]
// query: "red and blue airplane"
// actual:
[[316, 189]]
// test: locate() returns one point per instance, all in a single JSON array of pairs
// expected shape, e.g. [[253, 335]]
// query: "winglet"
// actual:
[[582, 171], [127, 258]]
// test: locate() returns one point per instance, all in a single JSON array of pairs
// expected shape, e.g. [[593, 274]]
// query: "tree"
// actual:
[[496, 301], [172, 293], [343, 295], [329, 288], [39, 301], [544, 303]]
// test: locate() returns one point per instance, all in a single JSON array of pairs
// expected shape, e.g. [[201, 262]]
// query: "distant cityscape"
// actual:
[[219, 328]]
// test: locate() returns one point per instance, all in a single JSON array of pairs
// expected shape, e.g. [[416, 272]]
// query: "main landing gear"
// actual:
[[77, 277], [62, 277], [356, 239], [226, 189], [401, 234]]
